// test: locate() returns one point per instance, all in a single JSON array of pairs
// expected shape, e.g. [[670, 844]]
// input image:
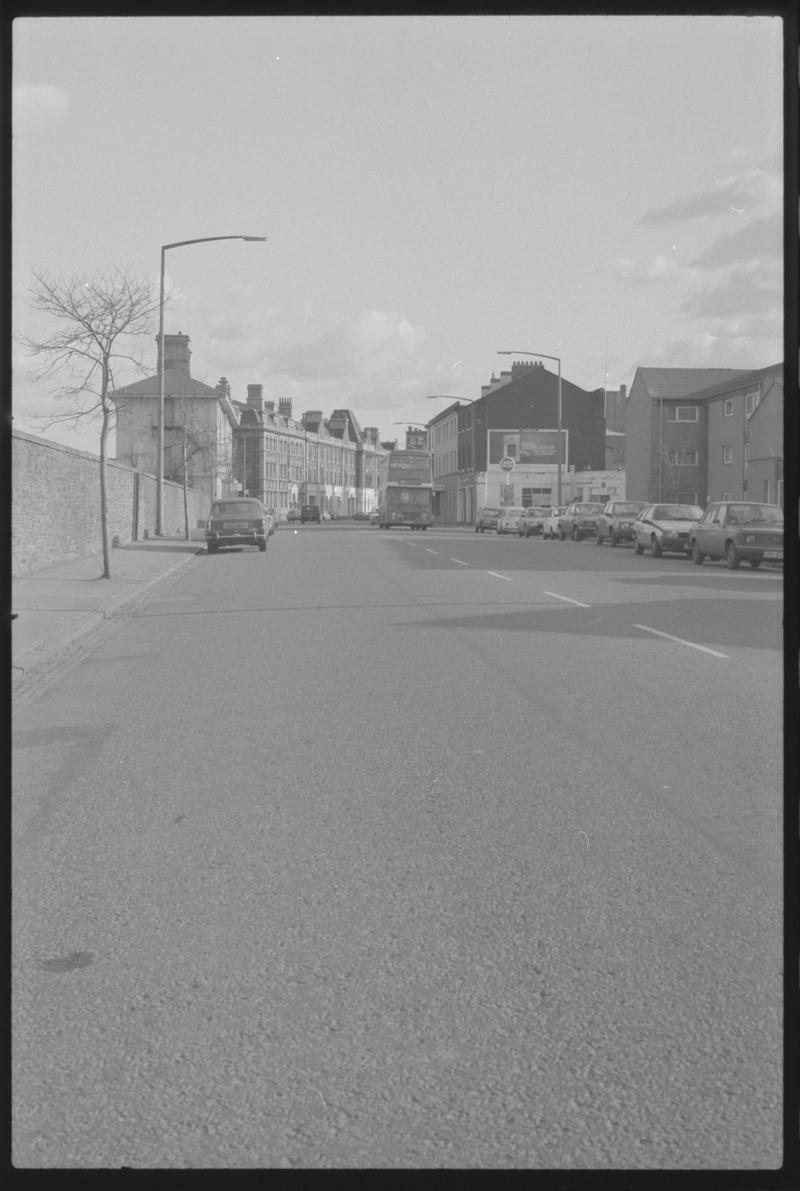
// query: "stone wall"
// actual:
[[55, 492]]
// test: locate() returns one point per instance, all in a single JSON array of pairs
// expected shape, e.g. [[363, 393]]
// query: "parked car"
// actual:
[[486, 519], [509, 518], [531, 523], [310, 513], [579, 519], [664, 528], [616, 521], [236, 521], [739, 530], [293, 515], [550, 527], [375, 517]]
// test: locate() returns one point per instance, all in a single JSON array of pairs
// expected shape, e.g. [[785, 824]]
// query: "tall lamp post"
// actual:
[[160, 466], [558, 361], [468, 401]]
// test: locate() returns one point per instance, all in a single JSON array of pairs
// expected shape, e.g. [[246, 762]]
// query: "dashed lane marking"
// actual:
[[506, 577], [429, 551], [460, 563], [703, 648], [556, 596]]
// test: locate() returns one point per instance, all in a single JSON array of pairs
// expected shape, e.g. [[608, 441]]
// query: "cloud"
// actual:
[[35, 105], [650, 270], [741, 192], [372, 344], [753, 289], [758, 239]]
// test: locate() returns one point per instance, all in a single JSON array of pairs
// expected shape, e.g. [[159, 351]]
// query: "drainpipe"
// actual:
[[660, 438]]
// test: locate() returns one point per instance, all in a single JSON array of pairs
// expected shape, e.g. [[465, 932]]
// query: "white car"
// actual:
[[665, 528], [550, 528], [509, 517]]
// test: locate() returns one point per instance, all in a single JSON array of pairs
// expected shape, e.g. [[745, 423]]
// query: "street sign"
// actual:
[[507, 463]]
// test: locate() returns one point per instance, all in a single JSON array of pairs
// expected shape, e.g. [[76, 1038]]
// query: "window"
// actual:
[[725, 496], [682, 413], [727, 407], [727, 455], [682, 458], [750, 403]]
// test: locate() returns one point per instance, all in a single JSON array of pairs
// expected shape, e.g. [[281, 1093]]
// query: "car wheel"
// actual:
[[612, 537], [638, 548], [655, 548], [733, 558], [599, 538], [755, 563], [562, 537], [211, 547], [576, 537], [262, 547], [697, 554]]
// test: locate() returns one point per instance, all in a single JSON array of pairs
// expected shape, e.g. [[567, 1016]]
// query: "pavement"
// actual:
[[53, 607]]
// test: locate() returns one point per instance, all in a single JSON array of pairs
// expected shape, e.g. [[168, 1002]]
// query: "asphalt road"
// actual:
[[394, 849]]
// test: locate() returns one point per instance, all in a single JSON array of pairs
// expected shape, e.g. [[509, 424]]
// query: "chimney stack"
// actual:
[[176, 353], [254, 397]]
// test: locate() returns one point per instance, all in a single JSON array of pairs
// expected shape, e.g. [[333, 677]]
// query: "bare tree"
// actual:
[[100, 318], [674, 459], [193, 441]]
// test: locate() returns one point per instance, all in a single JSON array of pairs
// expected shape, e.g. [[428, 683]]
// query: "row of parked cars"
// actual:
[[736, 530]]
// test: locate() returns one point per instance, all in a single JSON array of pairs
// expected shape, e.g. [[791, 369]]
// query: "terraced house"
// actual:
[[224, 447]]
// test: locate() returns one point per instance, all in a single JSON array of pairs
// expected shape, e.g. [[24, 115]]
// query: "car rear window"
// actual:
[[236, 508]]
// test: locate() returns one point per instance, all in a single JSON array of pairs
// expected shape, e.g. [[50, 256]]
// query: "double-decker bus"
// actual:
[[406, 489]]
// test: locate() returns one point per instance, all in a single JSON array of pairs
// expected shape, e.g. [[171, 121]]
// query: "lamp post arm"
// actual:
[[160, 448]]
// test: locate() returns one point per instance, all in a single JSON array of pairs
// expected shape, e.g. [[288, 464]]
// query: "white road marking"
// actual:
[[556, 596], [460, 563], [704, 648], [506, 577], [429, 551]]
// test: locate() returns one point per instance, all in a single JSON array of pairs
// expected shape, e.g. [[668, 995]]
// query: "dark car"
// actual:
[[293, 515], [237, 521], [579, 520], [486, 519], [310, 513], [738, 530], [616, 521]]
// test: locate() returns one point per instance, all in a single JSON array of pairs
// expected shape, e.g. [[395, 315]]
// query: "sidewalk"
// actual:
[[55, 606]]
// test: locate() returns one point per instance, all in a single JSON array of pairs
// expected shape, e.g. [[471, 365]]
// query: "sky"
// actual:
[[606, 190]]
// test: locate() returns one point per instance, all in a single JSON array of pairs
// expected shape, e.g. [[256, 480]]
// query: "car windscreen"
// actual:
[[235, 509], [621, 509], [676, 513], [754, 515], [587, 508]]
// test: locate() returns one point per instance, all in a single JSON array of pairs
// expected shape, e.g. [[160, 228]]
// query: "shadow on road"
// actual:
[[700, 624]]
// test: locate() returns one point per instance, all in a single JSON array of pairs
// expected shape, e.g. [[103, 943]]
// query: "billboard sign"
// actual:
[[527, 447]]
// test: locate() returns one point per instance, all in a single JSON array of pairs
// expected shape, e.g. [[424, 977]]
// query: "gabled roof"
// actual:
[[742, 381], [342, 420], [673, 384], [176, 384]]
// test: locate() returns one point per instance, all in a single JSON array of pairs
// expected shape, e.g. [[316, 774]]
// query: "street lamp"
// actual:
[[469, 401], [160, 465], [558, 361]]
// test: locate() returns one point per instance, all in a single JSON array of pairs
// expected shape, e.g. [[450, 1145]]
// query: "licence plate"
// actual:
[[775, 554], [235, 525]]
